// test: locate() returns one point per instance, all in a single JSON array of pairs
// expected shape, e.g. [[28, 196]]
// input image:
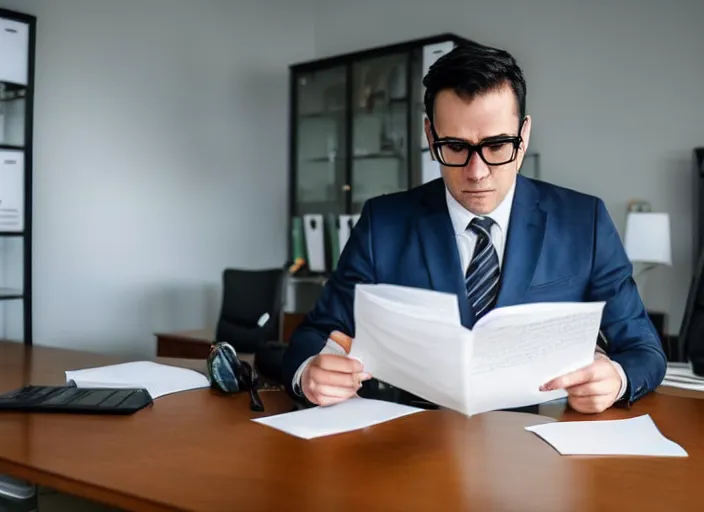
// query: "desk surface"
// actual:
[[199, 451]]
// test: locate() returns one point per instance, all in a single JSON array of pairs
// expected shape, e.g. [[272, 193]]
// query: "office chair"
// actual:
[[248, 297], [17, 495], [691, 336], [269, 362]]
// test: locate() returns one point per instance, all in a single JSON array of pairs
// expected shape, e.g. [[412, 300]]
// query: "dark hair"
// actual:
[[471, 69]]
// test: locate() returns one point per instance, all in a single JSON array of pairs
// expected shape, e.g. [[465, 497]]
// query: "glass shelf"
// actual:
[[10, 294], [12, 89]]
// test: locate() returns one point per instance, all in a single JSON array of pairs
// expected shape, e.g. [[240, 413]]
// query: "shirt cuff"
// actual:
[[296, 384], [330, 348], [624, 380]]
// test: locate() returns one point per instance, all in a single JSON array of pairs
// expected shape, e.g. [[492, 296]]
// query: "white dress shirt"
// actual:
[[466, 240]]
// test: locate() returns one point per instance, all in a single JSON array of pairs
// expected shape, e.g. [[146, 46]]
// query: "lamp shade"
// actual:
[[648, 238]]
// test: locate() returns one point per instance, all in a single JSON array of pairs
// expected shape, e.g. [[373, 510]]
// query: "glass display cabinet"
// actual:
[[356, 132]]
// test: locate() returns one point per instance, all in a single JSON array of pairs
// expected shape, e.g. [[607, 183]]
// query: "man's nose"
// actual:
[[476, 169]]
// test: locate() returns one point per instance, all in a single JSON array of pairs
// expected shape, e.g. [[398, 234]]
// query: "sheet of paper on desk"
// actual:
[[157, 379], [352, 414], [413, 339], [634, 436], [680, 375]]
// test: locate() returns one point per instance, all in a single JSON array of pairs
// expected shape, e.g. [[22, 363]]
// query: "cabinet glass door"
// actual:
[[320, 141], [11, 288], [12, 114], [380, 126]]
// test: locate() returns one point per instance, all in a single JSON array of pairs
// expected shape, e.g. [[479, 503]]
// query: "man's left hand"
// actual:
[[592, 389]]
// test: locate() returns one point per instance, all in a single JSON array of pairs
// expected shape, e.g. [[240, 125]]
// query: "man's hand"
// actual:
[[330, 378], [592, 389]]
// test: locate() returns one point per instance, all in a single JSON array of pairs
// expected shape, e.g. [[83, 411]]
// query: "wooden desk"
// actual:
[[184, 344], [195, 344], [200, 451]]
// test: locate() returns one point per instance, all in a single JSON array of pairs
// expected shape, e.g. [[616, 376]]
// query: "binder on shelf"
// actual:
[[333, 230], [11, 191], [298, 239], [14, 51], [298, 245], [347, 223], [314, 229]]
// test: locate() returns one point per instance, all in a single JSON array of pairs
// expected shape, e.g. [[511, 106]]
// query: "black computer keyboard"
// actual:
[[70, 399]]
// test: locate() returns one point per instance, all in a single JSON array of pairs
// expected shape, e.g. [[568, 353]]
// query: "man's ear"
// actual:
[[525, 133], [429, 137]]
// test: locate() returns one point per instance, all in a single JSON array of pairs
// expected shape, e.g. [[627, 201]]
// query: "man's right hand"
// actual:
[[329, 379]]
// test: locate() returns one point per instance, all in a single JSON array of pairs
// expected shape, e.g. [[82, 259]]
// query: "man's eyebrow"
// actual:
[[491, 138], [499, 137]]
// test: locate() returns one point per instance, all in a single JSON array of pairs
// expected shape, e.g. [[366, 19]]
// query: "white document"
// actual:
[[157, 379], [413, 339], [680, 375], [634, 436], [353, 414], [314, 230]]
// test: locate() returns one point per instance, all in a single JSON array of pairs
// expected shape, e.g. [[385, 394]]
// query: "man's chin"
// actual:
[[479, 204]]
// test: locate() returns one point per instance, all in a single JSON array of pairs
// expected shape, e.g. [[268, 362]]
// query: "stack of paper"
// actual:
[[157, 379], [680, 375], [353, 414], [413, 339], [634, 436]]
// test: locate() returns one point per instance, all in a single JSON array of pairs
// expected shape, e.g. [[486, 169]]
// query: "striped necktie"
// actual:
[[482, 276]]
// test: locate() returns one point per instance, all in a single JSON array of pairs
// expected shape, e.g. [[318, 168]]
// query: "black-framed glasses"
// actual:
[[453, 152]]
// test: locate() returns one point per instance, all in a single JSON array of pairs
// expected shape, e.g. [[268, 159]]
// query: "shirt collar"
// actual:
[[461, 217]]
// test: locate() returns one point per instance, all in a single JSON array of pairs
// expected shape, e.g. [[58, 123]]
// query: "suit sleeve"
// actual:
[[632, 339], [334, 310]]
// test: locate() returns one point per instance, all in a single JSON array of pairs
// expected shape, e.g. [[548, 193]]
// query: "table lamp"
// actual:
[[648, 239]]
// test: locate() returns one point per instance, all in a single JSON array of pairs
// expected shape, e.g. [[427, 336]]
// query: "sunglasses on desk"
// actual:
[[229, 374]]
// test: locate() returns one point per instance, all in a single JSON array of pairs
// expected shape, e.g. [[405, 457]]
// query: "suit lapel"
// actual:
[[523, 245], [437, 238]]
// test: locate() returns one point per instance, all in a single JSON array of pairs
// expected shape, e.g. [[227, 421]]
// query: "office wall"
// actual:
[[614, 87], [160, 158]]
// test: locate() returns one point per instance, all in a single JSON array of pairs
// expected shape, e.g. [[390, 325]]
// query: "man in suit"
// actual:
[[489, 235]]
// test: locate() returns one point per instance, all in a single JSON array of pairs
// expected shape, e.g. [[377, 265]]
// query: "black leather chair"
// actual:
[[268, 362], [17, 495], [691, 336], [247, 296]]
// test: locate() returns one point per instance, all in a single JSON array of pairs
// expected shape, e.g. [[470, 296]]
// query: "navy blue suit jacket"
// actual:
[[561, 246]]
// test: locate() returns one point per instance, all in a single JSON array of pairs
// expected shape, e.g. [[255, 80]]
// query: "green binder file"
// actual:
[[333, 225], [298, 245]]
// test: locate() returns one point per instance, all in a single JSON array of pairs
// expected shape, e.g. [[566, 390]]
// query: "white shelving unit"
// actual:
[[17, 42]]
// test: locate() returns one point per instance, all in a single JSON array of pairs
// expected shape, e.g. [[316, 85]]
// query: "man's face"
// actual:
[[477, 186]]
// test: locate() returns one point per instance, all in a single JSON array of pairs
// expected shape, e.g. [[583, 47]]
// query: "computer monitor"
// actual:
[[691, 336]]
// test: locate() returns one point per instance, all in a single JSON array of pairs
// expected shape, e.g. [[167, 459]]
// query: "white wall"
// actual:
[[161, 132], [614, 88]]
